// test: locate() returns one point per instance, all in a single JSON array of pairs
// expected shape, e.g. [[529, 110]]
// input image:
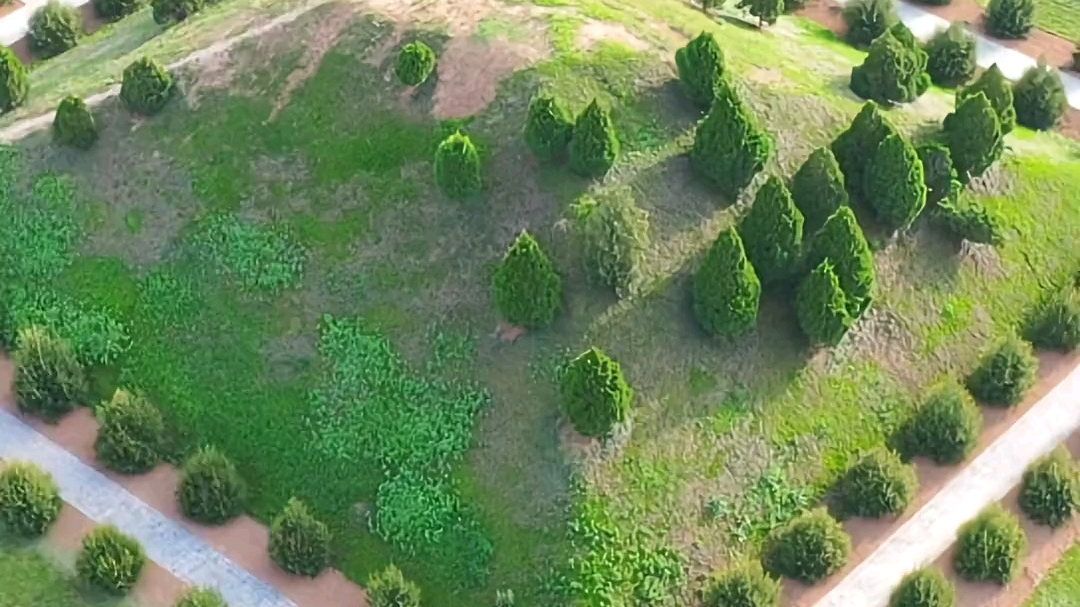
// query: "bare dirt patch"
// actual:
[[326, 34], [460, 18], [594, 32], [470, 70], [826, 13]]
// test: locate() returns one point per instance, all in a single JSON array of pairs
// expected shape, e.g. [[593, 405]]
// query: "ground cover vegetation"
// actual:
[[1062, 585]]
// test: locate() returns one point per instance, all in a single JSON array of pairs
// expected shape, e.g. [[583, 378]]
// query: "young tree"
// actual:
[[808, 549], [743, 585], [895, 183], [730, 147], [1050, 489], [1004, 374], [1010, 19], [415, 63], [924, 587], [49, 380], [594, 146], [73, 124], [168, 11], [457, 167], [973, 134], [299, 542], [998, 91], [54, 28], [990, 547], [13, 80], [29, 500], [615, 231], [951, 56], [879, 484], [146, 87], [941, 180], [595, 395], [211, 490], [821, 306], [944, 427], [389, 588], [855, 147], [842, 242], [701, 67], [893, 71], [548, 128], [110, 560], [868, 19], [773, 232], [766, 11], [727, 291], [131, 437], [818, 189], [527, 289], [116, 9], [1039, 98]]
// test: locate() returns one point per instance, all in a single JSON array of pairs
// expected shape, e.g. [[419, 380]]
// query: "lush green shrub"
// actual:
[[998, 91], [146, 87], [415, 63], [54, 28], [841, 241], [548, 128], [924, 587], [74, 124], [974, 136], [299, 543], [855, 147], [944, 428], [211, 490], [170, 11], [744, 585], [389, 588], [29, 500], [1039, 98], [1050, 490], [594, 146], [13, 80], [951, 56], [877, 485], [895, 183], [940, 176], [201, 597], [730, 147], [818, 189], [110, 560], [457, 167], [131, 436], [49, 381], [527, 289], [807, 549], [968, 219], [868, 19], [989, 548], [595, 395], [727, 291], [1055, 325], [893, 71], [1010, 19], [821, 307], [116, 9], [773, 232], [766, 11], [616, 235], [1004, 374], [701, 68]]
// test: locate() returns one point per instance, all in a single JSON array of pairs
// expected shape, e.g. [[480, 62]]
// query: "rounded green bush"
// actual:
[[594, 146], [1010, 19], [110, 560], [146, 87], [818, 189], [990, 547], [457, 167], [744, 585], [54, 28], [727, 292], [299, 543], [998, 91], [1055, 325], [211, 490], [595, 395], [548, 128], [389, 588], [13, 80], [415, 63], [772, 231], [894, 70], [821, 306], [1050, 489], [1005, 374], [1039, 98], [527, 290], [973, 134], [944, 428], [924, 587], [877, 485], [73, 124], [730, 147], [116, 9], [49, 380], [172, 11], [868, 19], [29, 500], [131, 436], [201, 597], [808, 549], [951, 56], [701, 67]]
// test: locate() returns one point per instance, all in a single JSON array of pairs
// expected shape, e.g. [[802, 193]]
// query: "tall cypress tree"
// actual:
[[818, 189], [594, 146], [821, 306], [998, 91], [701, 67], [895, 183], [727, 291], [841, 241], [773, 232], [730, 147], [856, 146], [973, 134]]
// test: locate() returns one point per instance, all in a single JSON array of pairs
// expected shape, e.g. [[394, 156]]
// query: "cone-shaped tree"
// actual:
[[299, 542], [766, 11], [821, 307], [841, 241], [743, 586], [548, 128], [856, 146], [951, 60], [415, 63], [727, 291], [13, 80], [892, 72], [595, 395], [74, 124], [594, 144], [1039, 98], [895, 184], [773, 232], [1010, 19], [730, 147], [457, 167], [973, 133], [701, 66], [997, 89], [818, 189], [527, 289], [940, 176]]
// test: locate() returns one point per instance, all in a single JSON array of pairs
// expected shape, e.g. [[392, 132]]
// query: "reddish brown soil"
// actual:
[[10, 7], [507, 332], [827, 13], [91, 24]]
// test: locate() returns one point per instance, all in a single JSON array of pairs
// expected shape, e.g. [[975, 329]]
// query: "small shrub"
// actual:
[[616, 235], [998, 91], [457, 167], [940, 177], [116, 9], [74, 124], [895, 183], [807, 549], [944, 428], [701, 68], [595, 395], [49, 381], [1039, 98], [841, 241], [389, 588], [1005, 374], [773, 232], [13, 80], [110, 560], [968, 219], [415, 63], [1050, 490], [29, 500], [766, 11], [1055, 325], [299, 543], [527, 289], [893, 72], [548, 128], [1010, 19], [924, 587], [594, 146], [201, 597], [54, 29], [821, 307], [730, 148], [131, 435], [868, 19], [743, 586], [211, 490], [174, 11], [855, 147], [974, 137], [989, 547], [818, 189], [951, 56], [727, 291], [877, 485], [146, 87]]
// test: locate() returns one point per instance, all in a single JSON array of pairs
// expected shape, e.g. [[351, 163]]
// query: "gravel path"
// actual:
[[166, 542], [987, 479]]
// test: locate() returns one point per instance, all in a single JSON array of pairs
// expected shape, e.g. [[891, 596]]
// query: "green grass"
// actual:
[[1061, 587], [1061, 17], [28, 578]]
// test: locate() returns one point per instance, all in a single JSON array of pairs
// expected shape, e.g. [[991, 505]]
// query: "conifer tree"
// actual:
[[1039, 98], [701, 66], [527, 289], [841, 241], [818, 189], [998, 91], [895, 183], [856, 146], [821, 307], [894, 70], [548, 128], [766, 11], [730, 147], [13, 80], [457, 167], [594, 144], [773, 232], [973, 134], [727, 291]]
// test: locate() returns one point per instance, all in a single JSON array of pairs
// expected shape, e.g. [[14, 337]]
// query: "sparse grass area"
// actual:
[[28, 578], [1061, 587]]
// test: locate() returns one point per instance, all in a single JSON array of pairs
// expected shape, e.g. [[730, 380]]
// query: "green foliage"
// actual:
[[868, 19], [174, 11], [211, 490], [818, 189], [701, 69], [1050, 490], [29, 500], [131, 436], [766, 11], [856, 146], [924, 587], [74, 124], [727, 291], [616, 235], [267, 259], [842, 242], [878, 484], [594, 393], [1004, 374], [54, 29], [415, 63], [974, 137], [146, 87], [895, 183], [968, 219], [110, 560], [527, 289], [548, 128], [1010, 19], [14, 83], [821, 307], [893, 72], [1055, 324], [201, 597], [944, 428], [49, 381], [773, 232], [990, 547], [1039, 98], [730, 147], [744, 585], [594, 146], [940, 177], [951, 56], [457, 167], [299, 543], [807, 549], [389, 588], [116, 9], [998, 91]]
